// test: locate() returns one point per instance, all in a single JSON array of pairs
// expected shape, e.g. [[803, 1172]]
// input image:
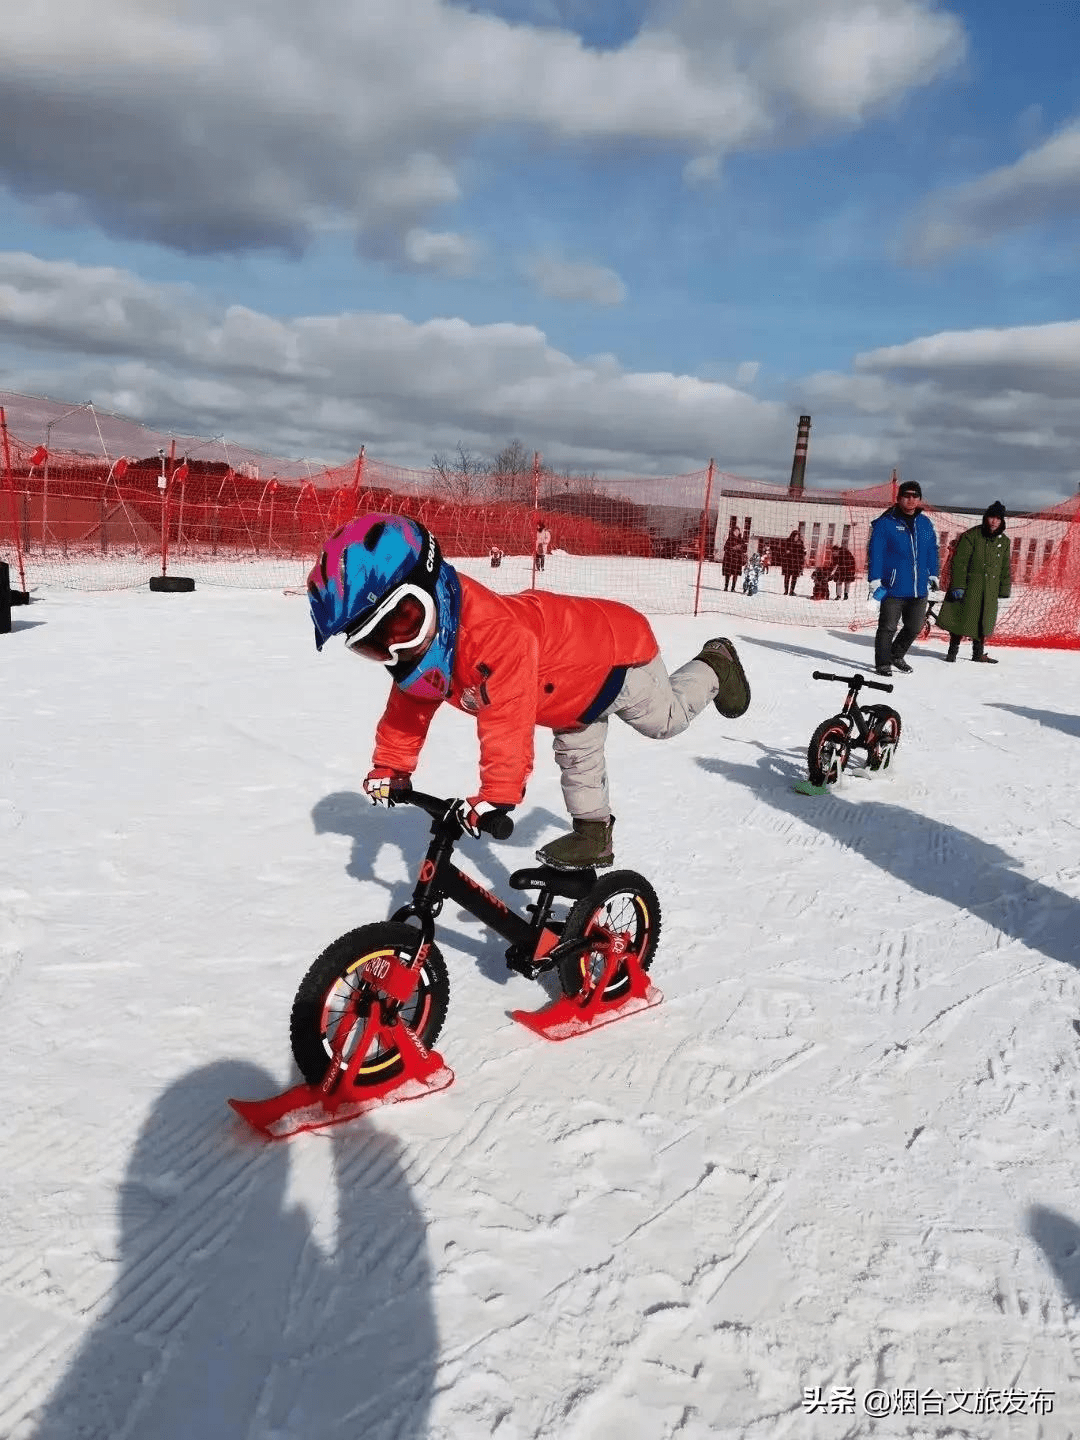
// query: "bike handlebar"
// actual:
[[856, 680], [495, 823]]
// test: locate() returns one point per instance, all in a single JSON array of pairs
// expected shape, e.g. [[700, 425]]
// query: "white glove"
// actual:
[[383, 789], [877, 590]]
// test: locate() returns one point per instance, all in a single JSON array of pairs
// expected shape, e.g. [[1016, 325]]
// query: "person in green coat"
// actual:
[[979, 578]]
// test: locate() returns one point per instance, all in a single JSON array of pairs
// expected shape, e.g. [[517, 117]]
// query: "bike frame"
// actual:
[[535, 946], [851, 709], [855, 713]]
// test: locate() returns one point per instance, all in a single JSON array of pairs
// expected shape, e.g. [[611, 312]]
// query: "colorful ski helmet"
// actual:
[[361, 566]]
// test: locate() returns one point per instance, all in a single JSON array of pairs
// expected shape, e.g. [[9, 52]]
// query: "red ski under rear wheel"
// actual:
[[622, 903], [332, 1004]]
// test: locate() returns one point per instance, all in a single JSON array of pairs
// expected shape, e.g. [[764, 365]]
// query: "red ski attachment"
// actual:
[[574, 1014], [314, 1107]]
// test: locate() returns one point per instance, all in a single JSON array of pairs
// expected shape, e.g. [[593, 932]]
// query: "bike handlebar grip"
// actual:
[[876, 685], [821, 675], [497, 824]]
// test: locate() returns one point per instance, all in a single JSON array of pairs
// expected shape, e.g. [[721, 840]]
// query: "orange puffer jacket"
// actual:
[[521, 661]]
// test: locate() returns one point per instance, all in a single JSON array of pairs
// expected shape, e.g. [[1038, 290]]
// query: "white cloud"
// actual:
[[1042, 358], [835, 61], [576, 280], [225, 128], [747, 372], [1042, 185], [323, 385], [440, 250], [966, 412]]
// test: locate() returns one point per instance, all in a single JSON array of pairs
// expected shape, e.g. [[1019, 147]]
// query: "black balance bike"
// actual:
[[370, 1008], [873, 728]]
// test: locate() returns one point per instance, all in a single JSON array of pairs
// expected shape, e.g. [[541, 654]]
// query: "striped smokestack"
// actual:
[[802, 444]]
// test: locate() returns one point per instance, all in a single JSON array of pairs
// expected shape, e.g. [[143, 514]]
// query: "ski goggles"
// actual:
[[397, 623]]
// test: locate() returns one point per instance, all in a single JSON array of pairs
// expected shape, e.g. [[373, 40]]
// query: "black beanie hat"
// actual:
[[909, 487], [998, 509]]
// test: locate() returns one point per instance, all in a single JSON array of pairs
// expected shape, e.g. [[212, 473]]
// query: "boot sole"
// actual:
[[732, 655], [604, 863]]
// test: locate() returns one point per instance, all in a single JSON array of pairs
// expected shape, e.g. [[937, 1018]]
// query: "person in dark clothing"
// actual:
[[843, 571], [902, 563], [792, 561], [979, 577], [733, 558]]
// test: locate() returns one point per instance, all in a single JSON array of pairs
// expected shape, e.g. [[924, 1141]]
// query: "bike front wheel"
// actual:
[[829, 750], [622, 903], [334, 1001]]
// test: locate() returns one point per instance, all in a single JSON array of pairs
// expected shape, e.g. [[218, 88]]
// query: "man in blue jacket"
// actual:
[[902, 563]]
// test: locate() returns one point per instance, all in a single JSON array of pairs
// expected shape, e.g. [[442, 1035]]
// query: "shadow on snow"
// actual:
[[975, 875], [227, 1317]]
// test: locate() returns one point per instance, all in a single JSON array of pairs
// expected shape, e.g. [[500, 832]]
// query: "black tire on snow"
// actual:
[[172, 584], [623, 900], [332, 981], [829, 750], [885, 725]]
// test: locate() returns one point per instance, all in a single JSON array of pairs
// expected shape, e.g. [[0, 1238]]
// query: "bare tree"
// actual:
[[463, 479], [511, 473]]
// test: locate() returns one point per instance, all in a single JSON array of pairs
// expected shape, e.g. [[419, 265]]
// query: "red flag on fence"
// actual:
[[39, 456], [181, 473], [119, 469]]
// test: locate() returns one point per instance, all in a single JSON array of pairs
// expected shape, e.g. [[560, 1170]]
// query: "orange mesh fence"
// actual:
[[90, 500]]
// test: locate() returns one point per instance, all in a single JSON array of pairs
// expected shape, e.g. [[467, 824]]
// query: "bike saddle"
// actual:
[[571, 884]]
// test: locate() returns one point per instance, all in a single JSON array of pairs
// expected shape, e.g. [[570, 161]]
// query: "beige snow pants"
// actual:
[[653, 703]]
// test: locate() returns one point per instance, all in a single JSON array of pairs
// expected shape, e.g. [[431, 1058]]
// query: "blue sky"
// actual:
[[661, 231]]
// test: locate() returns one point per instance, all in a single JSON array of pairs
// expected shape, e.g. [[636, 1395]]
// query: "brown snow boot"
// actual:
[[588, 847], [733, 696]]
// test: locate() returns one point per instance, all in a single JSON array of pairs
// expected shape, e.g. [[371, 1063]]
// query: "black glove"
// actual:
[[480, 816], [955, 595]]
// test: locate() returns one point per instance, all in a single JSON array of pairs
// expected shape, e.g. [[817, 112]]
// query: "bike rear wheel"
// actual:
[[621, 904], [829, 750], [884, 737], [334, 1001]]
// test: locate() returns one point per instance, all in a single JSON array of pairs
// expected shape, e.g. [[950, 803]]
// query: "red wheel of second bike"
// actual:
[[829, 750], [885, 736]]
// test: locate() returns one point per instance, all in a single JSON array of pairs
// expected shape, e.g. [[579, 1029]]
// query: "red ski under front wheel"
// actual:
[[334, 1001], [622, 904]]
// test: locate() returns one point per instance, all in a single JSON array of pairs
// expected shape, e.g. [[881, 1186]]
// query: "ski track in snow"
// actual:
[[839, 1154]]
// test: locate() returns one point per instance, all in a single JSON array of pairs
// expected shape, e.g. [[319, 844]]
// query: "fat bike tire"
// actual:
[[333, 988], [623, 901], [829, 750], [885, 727]]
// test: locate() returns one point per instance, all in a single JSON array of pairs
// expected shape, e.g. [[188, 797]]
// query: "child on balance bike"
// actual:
[[514, 662]]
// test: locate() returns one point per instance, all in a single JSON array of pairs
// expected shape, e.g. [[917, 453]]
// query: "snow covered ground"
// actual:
[[834, 1172]]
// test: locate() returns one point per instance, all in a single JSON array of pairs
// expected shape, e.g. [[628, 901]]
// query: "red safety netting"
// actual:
[[91, 500]]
